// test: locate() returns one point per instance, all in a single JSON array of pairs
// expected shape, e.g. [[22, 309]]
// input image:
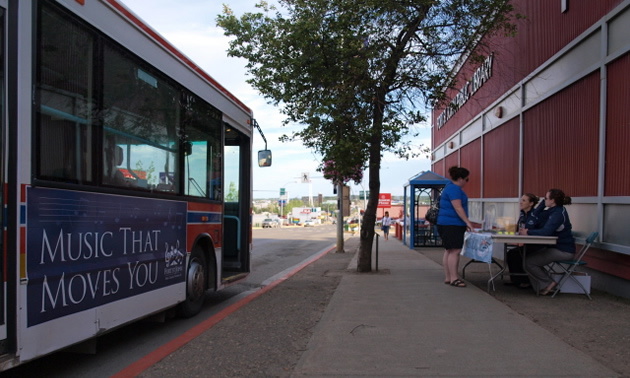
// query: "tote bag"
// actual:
[[477, 246]]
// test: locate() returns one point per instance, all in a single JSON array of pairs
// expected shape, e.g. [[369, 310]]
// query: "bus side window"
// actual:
[[63, 154], [140, 108], [63, 129], [202, 153]]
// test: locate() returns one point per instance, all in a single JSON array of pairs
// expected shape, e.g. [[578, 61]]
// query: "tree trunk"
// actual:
[[364, 261]]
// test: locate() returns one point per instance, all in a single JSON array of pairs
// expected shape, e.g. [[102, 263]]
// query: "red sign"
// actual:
[[141, 174], [384, 200]]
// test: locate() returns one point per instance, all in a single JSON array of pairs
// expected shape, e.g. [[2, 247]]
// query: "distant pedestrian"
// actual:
[[453, 222], [386, 223]]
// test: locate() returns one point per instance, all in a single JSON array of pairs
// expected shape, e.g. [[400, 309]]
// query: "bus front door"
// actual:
[[237, 200]]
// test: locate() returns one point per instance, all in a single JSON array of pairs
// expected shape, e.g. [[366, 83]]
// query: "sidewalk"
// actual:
[[404, 321]]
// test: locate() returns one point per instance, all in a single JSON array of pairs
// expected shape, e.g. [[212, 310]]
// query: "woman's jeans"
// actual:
[[537, 261]]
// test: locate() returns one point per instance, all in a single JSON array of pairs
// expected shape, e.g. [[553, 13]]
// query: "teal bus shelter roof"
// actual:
[[428, 179]]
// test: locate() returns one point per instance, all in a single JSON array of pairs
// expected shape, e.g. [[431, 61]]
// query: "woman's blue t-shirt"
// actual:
[[447, 215]]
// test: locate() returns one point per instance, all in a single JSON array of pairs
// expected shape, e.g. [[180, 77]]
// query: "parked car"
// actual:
[[270, 223], [309, 223]]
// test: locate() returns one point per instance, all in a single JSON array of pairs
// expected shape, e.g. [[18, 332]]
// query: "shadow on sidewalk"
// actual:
[[598, 328]]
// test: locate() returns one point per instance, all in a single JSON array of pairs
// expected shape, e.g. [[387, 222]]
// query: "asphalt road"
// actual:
[[274, 252]]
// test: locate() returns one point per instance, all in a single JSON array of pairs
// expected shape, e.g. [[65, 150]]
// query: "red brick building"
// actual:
[[550, 108]]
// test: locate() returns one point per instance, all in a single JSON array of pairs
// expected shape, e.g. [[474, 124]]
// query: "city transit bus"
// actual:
[[127, 176]]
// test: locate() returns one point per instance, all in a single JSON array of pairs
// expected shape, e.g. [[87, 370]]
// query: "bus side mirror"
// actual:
[[187, 148], [264, 158]]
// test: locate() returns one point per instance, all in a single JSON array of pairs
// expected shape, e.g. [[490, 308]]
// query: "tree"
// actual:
[[232, 194], [271, 208], [149, 171], [358, 73], [291, 204]]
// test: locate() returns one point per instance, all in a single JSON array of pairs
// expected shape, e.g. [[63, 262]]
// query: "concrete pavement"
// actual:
[[404, 321], [326, 320]]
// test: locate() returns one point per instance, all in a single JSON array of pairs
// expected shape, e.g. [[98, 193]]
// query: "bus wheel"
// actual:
[[195, 284]]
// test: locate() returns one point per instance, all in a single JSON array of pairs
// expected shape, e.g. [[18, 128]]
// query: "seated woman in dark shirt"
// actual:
[[528, 219], [554, 221]]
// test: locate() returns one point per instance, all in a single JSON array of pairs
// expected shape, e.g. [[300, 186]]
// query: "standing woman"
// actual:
[[386, 224], [453, 222], [554, 222]]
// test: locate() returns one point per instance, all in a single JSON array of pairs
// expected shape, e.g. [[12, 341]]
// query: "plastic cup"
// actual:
[[510, 228]]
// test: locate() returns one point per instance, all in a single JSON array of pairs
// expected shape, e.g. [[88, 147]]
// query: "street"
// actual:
[[275, 250]]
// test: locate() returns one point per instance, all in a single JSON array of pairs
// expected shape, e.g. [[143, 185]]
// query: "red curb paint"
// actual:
[[157, 355]]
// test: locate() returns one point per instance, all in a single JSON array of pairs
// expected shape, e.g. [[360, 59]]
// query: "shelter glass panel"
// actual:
[[425, 233]]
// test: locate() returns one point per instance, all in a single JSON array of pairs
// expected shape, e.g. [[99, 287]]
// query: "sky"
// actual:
[[190, 26]]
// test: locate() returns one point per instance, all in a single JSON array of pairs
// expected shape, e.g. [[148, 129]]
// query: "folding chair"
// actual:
[[567, 267]]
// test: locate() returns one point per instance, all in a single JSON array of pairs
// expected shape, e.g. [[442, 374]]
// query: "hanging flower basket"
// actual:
[[331, 173]]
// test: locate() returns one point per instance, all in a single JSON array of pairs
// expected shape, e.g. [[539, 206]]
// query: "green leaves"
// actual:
[[356, 75]]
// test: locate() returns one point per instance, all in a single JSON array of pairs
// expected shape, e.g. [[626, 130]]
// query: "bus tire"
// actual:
[[196, 284]]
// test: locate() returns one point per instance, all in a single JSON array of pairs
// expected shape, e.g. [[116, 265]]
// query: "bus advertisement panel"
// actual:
[[88, 249]]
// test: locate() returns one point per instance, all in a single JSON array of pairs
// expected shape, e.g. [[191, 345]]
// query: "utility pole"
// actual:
[[284, 196], [340, 219]]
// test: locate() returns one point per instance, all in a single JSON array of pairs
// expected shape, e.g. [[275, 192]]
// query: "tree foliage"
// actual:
[[288, 209], [232, 194], [357, 74]]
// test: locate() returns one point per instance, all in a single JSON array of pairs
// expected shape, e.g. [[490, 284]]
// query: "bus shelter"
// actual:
[[420, 193]]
